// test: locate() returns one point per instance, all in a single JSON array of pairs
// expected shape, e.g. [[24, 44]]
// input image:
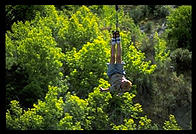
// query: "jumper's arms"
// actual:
[[104, 89]]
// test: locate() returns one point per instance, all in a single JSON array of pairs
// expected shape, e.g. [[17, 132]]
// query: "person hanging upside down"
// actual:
[[115, 70]]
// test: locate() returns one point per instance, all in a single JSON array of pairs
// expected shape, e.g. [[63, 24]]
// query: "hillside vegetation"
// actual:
[[56, 59]]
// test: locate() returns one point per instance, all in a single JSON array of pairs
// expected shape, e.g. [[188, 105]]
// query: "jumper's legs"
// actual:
[[119, 49], [112, 58], [119, 54]]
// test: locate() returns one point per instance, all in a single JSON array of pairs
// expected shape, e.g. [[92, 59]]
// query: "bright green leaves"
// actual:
[[98, 103], [67, 123], [99, 111], [82, 28], [44, 115], [161, 53], [88, 65], [171, 124], [33, 48], [94, 56], [15, 107], [108, 16], [78, 109], [51, 109], [128, 108], [30, 120], [142, 124], [135, 59], [179, 29], [23, 120], [129, 125]]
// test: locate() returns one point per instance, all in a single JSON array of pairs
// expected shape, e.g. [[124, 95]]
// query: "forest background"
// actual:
[[56, 59]]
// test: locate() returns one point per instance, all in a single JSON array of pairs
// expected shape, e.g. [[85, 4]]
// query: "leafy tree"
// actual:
[[136, 64], [171, 124], [143, 124], [161, 52], [87, 65], [21, 13], [181, 60], [78, 110], [34, 49], [67, 123], [82, 28], [179, 27]]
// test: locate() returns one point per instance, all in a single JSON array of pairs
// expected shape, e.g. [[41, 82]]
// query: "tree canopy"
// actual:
[[56, 59]]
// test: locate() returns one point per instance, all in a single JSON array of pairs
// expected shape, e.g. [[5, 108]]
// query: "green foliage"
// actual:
[[66, 123], [21, 13], [33, 48], [182, 60], [137, 13], [22, 120], [135, 59], [129, 125], [61, 57], [171, 124], [146, 124], [108, 16], [98, 111], [78, 110], [141, 12], [81, 28], [87, 65], [44, 115], [143, 124], [161, 53], [73, 113], [98, 103], [10, 52], [179, 27], [169, 91], [161, 11]]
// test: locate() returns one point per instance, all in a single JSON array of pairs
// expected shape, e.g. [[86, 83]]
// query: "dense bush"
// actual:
[[81, 28], [182, 60], [33, 49], [73, 113], [141, 12], [171, 124], [87, 65], [179, 27], [21, 13]]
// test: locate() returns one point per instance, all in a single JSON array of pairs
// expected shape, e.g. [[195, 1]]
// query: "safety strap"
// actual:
[[116, 17]]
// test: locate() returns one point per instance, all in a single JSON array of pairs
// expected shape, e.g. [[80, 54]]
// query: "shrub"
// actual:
[[44, 115], [160, 48], [18, 119], [81, 28], [179, 27], [181, 60], [135, 59], [98, 107], [87, 66], [34, 49], [77, 108], [171, 124]]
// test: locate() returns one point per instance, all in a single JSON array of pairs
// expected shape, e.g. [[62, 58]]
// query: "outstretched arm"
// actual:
[[104, 89]]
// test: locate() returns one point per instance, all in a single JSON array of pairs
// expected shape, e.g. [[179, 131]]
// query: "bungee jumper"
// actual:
[[116, 72]]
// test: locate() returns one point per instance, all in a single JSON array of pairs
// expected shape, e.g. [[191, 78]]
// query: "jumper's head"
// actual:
[[126, 85]]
